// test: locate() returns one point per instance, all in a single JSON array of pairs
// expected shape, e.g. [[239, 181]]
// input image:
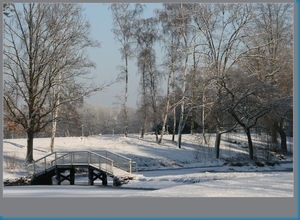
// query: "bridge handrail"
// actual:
[[70, 158], [54, 158], [126, 158], [72, 152], [121, 161], [36, 161]]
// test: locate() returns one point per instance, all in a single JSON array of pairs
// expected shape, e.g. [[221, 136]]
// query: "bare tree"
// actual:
[[179, 16], [171, 41], [271, 60], [123, 20], [146, 35], [43, 47], [222, 27], [247, 101]]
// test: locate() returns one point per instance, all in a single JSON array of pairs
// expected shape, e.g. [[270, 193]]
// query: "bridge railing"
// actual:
[[121, 162], [104, 160], [86, 157], [42, 164]]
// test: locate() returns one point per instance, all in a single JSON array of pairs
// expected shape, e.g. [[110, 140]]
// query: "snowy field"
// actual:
[[164, 170]]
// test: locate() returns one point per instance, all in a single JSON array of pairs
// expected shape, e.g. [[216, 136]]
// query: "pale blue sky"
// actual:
[[107, 57]]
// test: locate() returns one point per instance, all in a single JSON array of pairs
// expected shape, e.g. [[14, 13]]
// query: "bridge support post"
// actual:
[[60, 177], [104, 179], [57, 173], [91, 177], [72, 176]]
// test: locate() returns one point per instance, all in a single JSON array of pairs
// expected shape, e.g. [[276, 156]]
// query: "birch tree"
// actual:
[[170, 40], [123, 19], [146, 36], [179, 16]]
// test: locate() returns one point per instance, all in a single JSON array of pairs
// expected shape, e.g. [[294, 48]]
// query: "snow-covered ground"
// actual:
[[191, 171]]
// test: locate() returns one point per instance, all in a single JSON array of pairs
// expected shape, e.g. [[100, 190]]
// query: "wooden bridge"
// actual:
[[100, 164]]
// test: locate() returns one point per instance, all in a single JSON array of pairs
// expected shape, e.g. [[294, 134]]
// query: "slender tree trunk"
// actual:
[[29, 154], [67, 131], [174, 125], [179, 139], [247, 130], [217, 142], [142, 132], [283, 140], [282, 137], [156, 135], [217, 145], [203, 119], [174, 111], [54, 126], [30, 131], [274, 130], [126, 97], [163, 126], [144, 107], [193, 92], [153, 98], [167, 106], [55, 114], [278, 127], [181, 119], [180, 125]]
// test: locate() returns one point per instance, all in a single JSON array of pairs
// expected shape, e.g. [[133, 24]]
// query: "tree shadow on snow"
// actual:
[[17, 145]]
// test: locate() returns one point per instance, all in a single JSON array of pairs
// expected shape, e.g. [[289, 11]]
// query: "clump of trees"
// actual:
[[224, 67]]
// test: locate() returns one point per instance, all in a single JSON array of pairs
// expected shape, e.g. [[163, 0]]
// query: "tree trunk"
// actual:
[[29, 154], [274, 130], [167, 107], [247, 130], [203, 119], [282, 137], [217, 144], [164, 125], [193, 90], [126, 97], [54, 126], [283, 140], [180, 125], [279, 128], [144, 106], [174, 125], [55, 114], [156, 135], [67, 131], [142, 131], [179, 139], [174, 119], [181, 119]]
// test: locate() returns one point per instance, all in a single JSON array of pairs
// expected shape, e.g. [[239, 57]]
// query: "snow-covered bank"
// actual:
[[191, 185], [232, 175]]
